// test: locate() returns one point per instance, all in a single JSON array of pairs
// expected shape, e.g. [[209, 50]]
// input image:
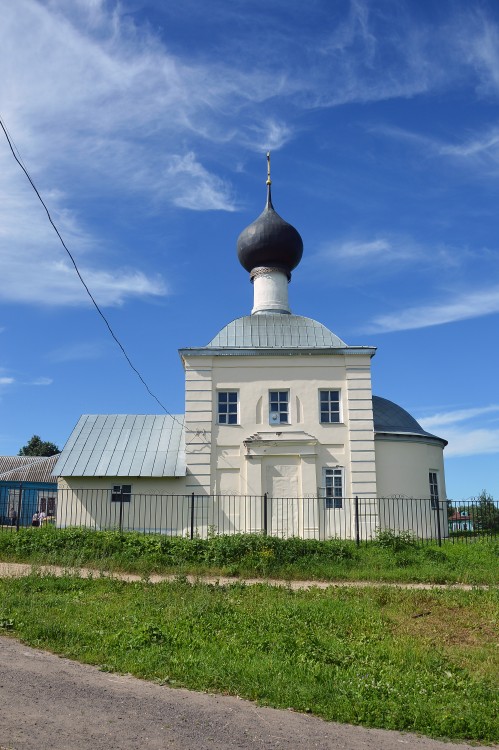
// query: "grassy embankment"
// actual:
[[389, 558], [421, 661]]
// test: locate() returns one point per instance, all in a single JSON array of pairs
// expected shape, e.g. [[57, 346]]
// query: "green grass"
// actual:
[[389, 558], [421, 661]]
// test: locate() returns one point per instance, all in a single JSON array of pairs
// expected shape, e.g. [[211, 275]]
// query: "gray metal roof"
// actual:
[[125, 445], [276, 331], [392, 418], [28, 469]]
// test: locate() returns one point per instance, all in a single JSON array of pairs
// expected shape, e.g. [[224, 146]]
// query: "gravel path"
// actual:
[[14, 570], [52, 703]]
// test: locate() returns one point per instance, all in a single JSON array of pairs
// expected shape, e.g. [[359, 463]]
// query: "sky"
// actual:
[[144, 126]]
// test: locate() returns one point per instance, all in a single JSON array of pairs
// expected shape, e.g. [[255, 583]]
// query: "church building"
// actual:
[[276, 405]]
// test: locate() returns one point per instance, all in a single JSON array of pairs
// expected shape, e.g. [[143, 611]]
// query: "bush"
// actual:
[[391, 556], [247, 550], [395, 541], [435, 555]]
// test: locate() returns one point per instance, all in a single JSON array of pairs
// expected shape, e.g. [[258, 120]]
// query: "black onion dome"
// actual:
[[270, 242]]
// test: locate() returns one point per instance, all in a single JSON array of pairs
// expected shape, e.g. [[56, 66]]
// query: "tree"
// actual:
[[38, 447], [485, 513]]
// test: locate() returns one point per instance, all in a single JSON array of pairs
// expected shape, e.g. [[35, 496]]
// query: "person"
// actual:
[[42, 517], [35, 521], [13, 517]]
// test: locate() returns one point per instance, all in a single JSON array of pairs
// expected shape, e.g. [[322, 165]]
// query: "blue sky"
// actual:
[[145, 126]]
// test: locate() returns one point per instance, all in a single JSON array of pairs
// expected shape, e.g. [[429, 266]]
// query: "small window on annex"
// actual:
[[279, 407], [333, 487], [122, 493], [329, 407], [433, 479], [228, 403]]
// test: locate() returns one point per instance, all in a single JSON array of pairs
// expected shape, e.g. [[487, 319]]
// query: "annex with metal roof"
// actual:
[[125, 445]]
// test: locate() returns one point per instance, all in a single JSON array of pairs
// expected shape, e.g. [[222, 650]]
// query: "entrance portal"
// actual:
[[282, 487]]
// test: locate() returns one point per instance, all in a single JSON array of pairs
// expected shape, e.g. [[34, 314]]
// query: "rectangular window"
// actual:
[[433, 478], [122, 493], [279, 407], [329, 406], [228, 407], [333, 488], [47, 505]]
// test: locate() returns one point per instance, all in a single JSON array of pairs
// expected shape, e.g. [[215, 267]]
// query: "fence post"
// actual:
[[192, 516], [439, 530], [357, 526], [19, 506], [121, 511], [265, 515]]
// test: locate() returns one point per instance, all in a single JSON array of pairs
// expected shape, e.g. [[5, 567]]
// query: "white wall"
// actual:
[[288, 458], [158, 504], [402, 469]]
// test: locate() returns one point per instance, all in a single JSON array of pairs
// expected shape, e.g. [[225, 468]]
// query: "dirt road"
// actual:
[[51, 703], [15, 570]]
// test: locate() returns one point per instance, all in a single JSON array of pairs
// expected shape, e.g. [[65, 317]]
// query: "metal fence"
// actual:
[[199, 515]]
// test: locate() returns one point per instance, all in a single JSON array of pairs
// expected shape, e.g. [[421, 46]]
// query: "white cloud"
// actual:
[[461, 307], [478, 39], [487, 142], [459, 415], [32, 278], [40, 381], [5, 381], [34, 266], [469, 431], [203, 193], [471, 442], [269, 135], [363, 250], [76, 352], [478, 151], [116, 99], [96, 101], [384, 255], [357, 66], [113, 287], [383, 250], [113, 97]]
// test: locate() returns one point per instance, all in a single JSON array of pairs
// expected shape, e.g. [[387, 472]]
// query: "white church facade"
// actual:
[[276, 407]]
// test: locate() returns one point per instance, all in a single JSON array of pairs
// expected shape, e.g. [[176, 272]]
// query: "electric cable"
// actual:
[[118, 342]]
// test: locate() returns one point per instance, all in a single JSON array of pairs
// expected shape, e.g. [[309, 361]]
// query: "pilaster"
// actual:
[[361, 430]]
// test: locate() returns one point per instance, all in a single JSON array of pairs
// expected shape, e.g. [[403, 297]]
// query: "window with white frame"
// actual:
[[329, 406], [434, 498], [279, 407], [333, 487], [228, 407]]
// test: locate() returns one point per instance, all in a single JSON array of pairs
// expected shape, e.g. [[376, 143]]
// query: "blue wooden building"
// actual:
[[27, 485]]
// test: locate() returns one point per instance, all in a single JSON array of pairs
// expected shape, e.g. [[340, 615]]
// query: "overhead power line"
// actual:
[[118, 342]]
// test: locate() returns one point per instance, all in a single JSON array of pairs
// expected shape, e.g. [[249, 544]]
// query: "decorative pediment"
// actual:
[[280, 442]]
